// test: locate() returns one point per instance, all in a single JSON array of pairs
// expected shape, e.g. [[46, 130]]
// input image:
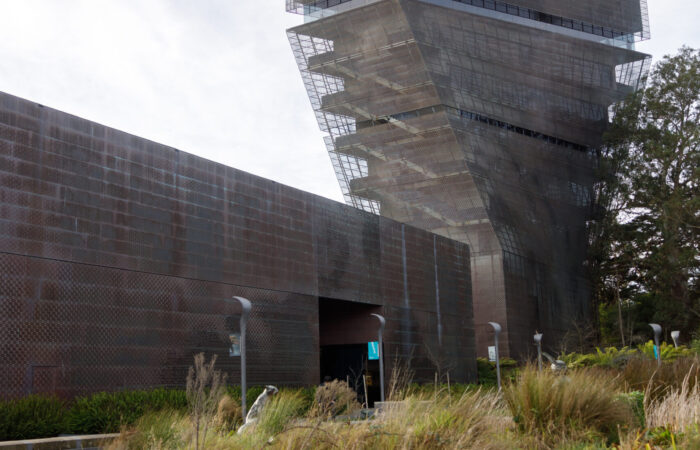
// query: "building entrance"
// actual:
[[345, 329]]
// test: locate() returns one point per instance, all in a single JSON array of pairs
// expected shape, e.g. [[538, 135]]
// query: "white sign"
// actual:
[[492, 353]]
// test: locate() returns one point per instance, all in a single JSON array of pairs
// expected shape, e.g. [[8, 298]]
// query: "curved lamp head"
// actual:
[[382, 320], [657, 329], [496, 327], [538, 338], [675, 334], [245, 305]]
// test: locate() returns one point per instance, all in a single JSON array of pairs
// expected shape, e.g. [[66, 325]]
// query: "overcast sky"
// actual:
[[211, 77]]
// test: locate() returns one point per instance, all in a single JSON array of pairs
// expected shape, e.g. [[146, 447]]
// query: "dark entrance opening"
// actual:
[[345, 329]]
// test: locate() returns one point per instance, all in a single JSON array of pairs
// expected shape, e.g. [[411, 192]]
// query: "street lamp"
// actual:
[[538, 342], [496, 332], [657, 333], [675, 335], [245, 312], [382, 324]]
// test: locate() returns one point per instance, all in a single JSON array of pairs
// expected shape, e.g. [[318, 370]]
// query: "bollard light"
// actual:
[[382, 324], [675, 335], [496, 332], [245, 312], [538, 342], [657, 333]]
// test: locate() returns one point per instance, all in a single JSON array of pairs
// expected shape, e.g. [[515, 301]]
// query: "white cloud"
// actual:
[[212, 77], [216, 78]]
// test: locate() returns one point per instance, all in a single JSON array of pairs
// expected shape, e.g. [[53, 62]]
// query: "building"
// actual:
[[478, 120], [119, 258]]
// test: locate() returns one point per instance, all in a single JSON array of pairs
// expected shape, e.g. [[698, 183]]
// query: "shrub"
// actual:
[[487, 371], [545, 403], [668, 352], [252, 393], [107, 412], [334, 398], [609, 357], [31, 417], [228, 414]]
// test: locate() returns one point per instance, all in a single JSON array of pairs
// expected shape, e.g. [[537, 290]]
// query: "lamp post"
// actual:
[[245, 312], [496, 332], [675, 335], [538, 342], [382, 324], [657, 333]]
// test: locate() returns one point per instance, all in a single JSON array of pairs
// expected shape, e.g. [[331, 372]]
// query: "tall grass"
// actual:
[[162, 430], [644, 374], [581, 401], [472, 421], [678, 410], [582, 409]]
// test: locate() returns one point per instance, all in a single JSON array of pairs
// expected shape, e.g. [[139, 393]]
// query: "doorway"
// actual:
[[345, 329]]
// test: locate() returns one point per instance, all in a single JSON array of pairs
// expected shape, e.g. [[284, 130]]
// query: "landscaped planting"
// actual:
[[617, 399]]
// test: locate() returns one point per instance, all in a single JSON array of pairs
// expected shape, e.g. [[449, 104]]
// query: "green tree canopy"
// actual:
[[647, 244]]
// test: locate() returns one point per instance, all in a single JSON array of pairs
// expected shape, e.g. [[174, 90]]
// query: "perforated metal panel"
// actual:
[[478, 121], [72, 328], [117, 256]]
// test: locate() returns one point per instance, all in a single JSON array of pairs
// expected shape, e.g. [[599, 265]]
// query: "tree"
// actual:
[[647, 242]]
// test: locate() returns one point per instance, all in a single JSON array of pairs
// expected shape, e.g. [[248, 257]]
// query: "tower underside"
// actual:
[[478, 122]]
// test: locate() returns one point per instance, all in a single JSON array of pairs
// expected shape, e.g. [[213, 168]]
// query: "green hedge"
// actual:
[[33, 416], [37, 416], [486, 371], [107, 412]]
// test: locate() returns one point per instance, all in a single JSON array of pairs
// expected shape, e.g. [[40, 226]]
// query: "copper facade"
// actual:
[[117, 255], [478, 120]]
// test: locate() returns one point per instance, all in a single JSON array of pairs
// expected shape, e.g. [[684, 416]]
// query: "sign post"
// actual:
[[538, 342], [657, 333], [382, 324], [245, 312], [496, 332]]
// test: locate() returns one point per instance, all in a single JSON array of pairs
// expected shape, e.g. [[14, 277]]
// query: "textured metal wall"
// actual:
[[117, 255], [478, 124]]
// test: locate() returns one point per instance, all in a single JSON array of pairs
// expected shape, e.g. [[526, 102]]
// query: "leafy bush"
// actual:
[[609, 357], [487, 371], [544, 403], [107, 412], [31, 417], [668, 351]]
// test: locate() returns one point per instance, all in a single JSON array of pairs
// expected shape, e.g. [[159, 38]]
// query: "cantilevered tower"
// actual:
[[478, 120]]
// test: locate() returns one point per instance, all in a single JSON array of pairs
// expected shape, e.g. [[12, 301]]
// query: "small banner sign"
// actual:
[[235, 349], [373, 351]]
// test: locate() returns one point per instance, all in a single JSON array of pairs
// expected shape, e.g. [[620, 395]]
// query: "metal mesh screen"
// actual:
[[477, 128], [74, 328]]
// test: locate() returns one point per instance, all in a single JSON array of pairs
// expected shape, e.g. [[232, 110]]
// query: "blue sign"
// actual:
[[373, 351]]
